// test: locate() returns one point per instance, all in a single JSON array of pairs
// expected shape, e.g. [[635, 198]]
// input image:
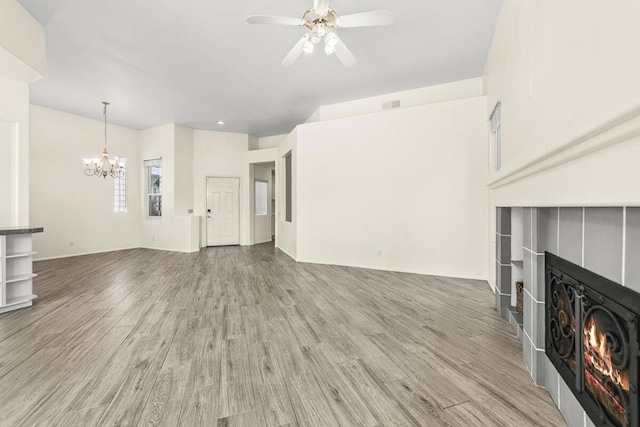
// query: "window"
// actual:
[[154, 187], [262, 194], [287, 187], [120, 187], [496, 136]]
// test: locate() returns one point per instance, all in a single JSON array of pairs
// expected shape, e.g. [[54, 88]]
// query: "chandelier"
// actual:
[[101, 167]]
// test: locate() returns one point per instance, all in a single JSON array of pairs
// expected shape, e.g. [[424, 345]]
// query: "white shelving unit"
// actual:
[[16, 272], [517, 253]]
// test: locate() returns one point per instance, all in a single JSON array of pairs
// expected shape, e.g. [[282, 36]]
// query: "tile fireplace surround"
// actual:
[[603, 240]]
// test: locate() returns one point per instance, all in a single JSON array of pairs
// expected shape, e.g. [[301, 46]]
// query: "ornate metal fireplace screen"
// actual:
[[592, 339]]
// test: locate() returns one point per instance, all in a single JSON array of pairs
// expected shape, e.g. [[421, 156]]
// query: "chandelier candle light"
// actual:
[[101, 167]]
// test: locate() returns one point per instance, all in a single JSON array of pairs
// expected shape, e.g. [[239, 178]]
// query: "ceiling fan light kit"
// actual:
[[323, 22]]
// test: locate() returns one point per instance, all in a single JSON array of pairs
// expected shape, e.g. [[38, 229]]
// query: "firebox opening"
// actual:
[[599, 359]]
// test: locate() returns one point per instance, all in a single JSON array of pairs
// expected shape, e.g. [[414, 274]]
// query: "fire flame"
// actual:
[[598, 354]]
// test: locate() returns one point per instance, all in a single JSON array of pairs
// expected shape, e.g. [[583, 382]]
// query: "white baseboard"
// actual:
[[169, 250], [288, 254], [263, 241], [84, 253]]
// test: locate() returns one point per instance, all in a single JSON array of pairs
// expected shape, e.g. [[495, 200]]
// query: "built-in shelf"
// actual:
[[517, 317], [21, 254], [16, 267], [20, 299], [20, 278], [516, 321], [517, 252]]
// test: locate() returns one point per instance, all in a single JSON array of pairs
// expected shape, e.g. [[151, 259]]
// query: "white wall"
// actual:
[[9, 208], [561, 69], [76, 210], [270, 141], [174, 230], [220, 154], [184, 170], [253, 142], [286, 232], [14, 164], [188, 156], [314, 117], [22, 61], [22, 44], [262, 223], [568, 76], [154, 143], [400, 190], [410, 98]]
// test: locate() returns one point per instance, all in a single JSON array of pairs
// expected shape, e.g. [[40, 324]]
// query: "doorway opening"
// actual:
[[263, 199]]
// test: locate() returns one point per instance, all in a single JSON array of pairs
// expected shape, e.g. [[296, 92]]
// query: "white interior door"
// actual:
[[223, 211]]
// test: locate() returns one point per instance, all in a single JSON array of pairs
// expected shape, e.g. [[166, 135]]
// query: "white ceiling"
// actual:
[[195, 62]]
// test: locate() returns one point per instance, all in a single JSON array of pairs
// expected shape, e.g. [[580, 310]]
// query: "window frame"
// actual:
[[255, 197], [288, 187], [120, 187], [495, 137], [148, 165]]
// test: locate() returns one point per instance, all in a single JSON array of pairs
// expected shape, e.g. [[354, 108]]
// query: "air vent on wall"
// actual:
[[390, 105]]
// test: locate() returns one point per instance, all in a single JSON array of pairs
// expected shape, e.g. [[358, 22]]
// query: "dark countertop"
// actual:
[[8, 231]]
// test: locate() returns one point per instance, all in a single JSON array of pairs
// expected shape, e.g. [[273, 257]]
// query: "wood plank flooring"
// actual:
[[243, 336]]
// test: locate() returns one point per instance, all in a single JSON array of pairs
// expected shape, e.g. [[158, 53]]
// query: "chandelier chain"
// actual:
[[105, 124], [103, 166]]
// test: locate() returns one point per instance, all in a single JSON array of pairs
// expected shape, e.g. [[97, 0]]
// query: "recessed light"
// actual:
[[220, 122]]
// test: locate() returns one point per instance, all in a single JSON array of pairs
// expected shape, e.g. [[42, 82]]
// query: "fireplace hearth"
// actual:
[[592, 338]]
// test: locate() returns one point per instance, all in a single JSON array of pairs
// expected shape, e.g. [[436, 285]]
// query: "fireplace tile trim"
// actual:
[[570, 240], [569, 245], [632, 249], [603, 242], [547, 230]]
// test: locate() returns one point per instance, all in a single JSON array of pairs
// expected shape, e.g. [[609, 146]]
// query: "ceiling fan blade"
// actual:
[[366, 19], [321, 7], [278, 20], [344, 54], [295, 53]]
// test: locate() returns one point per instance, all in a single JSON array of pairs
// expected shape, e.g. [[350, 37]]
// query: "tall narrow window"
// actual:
[[154, 187], [120, 187], [261, 190], [287, 187], [496, 136]]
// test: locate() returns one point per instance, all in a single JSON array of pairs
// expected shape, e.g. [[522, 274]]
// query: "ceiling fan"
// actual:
[[323, 22]]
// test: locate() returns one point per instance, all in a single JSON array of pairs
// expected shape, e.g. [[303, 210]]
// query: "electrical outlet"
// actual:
[[71, 244], [153, 238]]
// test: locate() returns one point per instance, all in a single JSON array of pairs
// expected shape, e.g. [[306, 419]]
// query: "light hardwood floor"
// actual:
[[245, 336]]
